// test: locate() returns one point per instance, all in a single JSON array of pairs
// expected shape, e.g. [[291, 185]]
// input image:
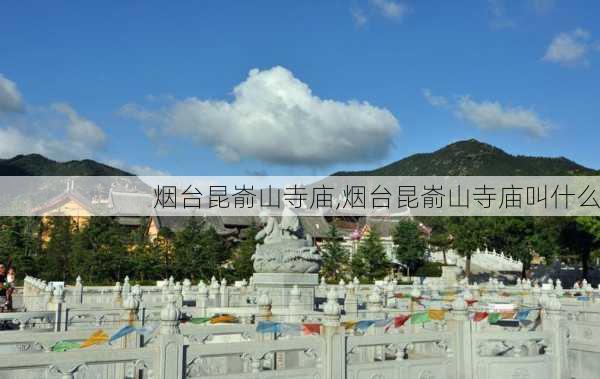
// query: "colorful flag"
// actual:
[[480, 316], [267, 327], [523, 314], [99, 337], [400, 320], [384, 322], [419, 318], [290, 329], [493, 317], [349, 324], [312, 328], [199, 320], [62, 346], [127, 329], [364, 324], [507, 315], [400, 295], [147, 330], [223, 319], [583, 298], [471, 302], [437, 314]]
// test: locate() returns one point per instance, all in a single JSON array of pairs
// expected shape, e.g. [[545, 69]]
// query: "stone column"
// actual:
[[351, 302], [334, 357], [554, 323], [224, 293], [264, 307], [461, 324], [78, 291], [170, 364], [295, 308], [202, 299]]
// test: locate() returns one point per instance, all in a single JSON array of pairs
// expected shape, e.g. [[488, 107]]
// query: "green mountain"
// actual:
[[474, 158], [37, 165]]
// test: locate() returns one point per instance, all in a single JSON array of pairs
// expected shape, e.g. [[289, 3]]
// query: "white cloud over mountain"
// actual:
[[492, 115], [274, 117]]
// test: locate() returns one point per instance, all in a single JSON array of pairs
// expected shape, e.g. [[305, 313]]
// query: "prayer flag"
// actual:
[[400, 320], [419, 318], [223, 319], [62, 346], [436, 314], [267, 327], [364, 324], [312, 328], [199, 320], [493, 317], [97, 338], [127, 329], [480, 316]]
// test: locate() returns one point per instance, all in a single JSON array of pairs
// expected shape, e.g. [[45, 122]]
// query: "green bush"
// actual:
[[429, 269]]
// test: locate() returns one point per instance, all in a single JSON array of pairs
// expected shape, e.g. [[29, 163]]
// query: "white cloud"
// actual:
[[57, 132], [141, 170], [80, 130], [570, 48], [390, 9], [10, 97], [499, 15], [359, 17], [436, 101], [490, 115], [275, 118], [543, 6]]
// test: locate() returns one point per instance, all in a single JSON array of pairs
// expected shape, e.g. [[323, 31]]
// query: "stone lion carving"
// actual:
[[285, 248]]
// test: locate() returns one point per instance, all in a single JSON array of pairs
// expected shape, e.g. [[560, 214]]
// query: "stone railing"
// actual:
[[455, 347]]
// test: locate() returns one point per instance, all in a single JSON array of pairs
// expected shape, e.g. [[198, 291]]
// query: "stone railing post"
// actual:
[[178, 292], [461, 324], [117, 299], [351, 301], [202, 298], [374, 304], [129, 316], [224, 293], [264, 307], [58, 306], [78, 291], [213, 293], [334, 357], [554, 323], [170, 363], [187, 289], [295, 305]]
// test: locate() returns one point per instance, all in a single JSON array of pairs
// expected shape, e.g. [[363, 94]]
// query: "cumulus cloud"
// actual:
[[274, 117], [10, 97], [436, 101], [494, 116], [390, 9], [570, 48], [359, 17], [57, 132], [80, 130], [491, 115]]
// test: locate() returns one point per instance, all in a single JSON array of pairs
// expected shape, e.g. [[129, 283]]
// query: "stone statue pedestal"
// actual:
[[279, 285]]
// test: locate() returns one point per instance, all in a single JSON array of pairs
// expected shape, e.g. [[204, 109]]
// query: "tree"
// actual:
[[370, 261], [335, 256], [410, 244], [243, 267], [58, 250], [469, 234], [199, 251], [440, 239]]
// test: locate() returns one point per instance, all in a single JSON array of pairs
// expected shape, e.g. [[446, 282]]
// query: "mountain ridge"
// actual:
[[474, 158]]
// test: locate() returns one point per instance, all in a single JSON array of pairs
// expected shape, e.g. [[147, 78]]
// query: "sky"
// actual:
[[296, 87]]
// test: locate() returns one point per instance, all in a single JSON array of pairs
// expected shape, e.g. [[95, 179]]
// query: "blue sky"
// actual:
[[296, 88]]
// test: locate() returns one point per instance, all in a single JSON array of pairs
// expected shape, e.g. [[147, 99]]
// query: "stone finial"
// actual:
[[459, 304], [58, 294], [342, 283], [131, 303], [356, 281], [78, 282], [331, 307], [169, 318], [264, 299], [117, 287], [202, 288]]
